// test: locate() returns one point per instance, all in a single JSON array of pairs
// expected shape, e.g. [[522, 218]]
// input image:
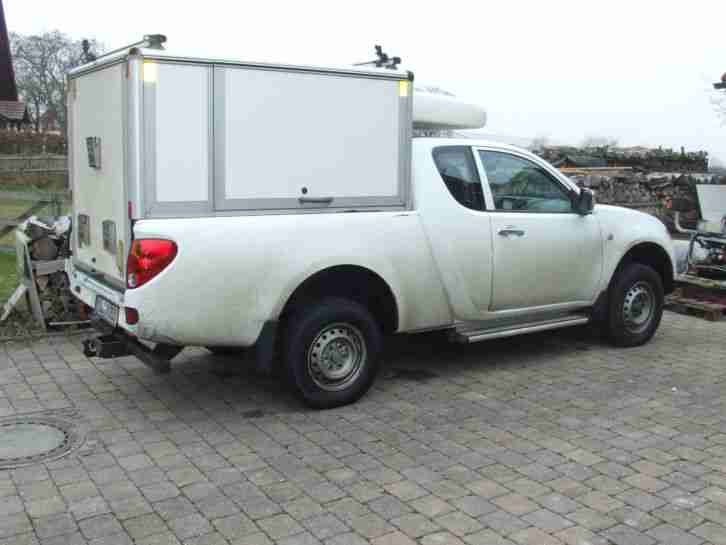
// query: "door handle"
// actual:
[[510, 231], [315, 200]]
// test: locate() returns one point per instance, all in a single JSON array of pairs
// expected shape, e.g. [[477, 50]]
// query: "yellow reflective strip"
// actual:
[[403, 88], [150, 72]]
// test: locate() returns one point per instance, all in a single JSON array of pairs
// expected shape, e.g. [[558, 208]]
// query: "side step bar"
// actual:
[[465, 336]]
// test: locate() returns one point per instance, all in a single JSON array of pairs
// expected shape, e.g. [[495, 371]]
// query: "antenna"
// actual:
[[383, 60]]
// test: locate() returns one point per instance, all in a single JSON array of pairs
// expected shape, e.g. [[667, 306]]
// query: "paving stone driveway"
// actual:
[[548, 439]]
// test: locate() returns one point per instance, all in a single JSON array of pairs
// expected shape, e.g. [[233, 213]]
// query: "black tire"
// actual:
[[227, 350], [346, 336], [631, 288]]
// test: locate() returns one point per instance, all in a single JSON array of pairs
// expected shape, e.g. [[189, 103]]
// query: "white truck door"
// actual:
[[544, 253], [451, 200]]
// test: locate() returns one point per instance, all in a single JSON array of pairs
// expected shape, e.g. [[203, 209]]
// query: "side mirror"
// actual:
[[584, 202]]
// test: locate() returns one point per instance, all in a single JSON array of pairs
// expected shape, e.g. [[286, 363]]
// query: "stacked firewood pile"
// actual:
[[649, 192], [43, 246], [643, 159]]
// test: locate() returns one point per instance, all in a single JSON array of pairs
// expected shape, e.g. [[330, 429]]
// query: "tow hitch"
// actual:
[[113, 343]]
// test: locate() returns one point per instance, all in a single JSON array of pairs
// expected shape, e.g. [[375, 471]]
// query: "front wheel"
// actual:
[[635, 305], [332, 352]]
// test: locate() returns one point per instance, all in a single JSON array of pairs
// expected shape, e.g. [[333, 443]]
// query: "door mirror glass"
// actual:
[[585, 202]]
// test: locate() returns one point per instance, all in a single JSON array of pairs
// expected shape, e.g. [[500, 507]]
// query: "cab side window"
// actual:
[[458, 171], [519, 185]]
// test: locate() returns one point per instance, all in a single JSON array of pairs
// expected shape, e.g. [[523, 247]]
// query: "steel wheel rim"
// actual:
[[638, 307], [336, 357]]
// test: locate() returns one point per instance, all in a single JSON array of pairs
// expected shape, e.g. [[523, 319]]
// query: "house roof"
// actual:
[[8, 89], [13, 110]]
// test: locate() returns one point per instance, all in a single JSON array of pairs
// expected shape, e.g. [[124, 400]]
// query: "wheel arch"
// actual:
[[654, 256], [355, 282]]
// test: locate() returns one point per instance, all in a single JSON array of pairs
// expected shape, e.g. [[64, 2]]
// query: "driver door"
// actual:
[[544, 253]]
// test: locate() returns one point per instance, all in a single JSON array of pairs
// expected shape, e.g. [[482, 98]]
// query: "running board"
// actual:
[[465, 336]]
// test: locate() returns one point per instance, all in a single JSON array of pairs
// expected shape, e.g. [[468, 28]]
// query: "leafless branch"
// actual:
[[41, 64]]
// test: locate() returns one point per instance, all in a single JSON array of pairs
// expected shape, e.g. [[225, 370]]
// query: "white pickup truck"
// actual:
[[234, 205]]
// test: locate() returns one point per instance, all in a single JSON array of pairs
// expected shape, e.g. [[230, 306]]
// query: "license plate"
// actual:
[[106, 310]]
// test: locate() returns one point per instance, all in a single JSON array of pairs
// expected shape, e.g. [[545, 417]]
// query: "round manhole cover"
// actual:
[[28, 440]]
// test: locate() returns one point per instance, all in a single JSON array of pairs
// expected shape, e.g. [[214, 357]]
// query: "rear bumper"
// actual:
[[87, 288]]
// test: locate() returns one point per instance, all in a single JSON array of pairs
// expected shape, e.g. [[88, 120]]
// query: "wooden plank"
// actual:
[[713, 312], [43, 268], [702, 282], [13, 301]]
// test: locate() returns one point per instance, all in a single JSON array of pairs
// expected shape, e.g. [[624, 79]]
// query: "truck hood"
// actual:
[[610, 213]]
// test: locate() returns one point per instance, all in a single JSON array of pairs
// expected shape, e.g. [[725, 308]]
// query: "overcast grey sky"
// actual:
[[637, 70]]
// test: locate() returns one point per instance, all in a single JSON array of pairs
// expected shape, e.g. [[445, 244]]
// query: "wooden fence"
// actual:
[[33, 164]]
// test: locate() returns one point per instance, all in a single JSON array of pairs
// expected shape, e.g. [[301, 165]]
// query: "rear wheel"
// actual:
[[635, 305], [332, 352]]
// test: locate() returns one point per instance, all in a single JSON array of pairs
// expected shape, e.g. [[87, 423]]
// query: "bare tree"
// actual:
[[539, 143], [599, 142], [41, 64]]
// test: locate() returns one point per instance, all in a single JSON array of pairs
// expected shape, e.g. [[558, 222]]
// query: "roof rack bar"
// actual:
[[151, 41]]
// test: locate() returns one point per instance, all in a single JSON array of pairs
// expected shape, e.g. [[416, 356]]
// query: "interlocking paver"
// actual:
[[534, 536], [515, 504], [347, 539], [558, 503], [487, 537], [459, 523], [415, 525], [389, 507], [394, 538], [682, 518], [547, 520], [551, 442], [431, 506], [670, 535], [576, 535], [625, 535], [325, 526], [634, 517], [144, 526], [714, 533], [100, 526], [370, 525], [591, 519], [441, 538], [44, 527]]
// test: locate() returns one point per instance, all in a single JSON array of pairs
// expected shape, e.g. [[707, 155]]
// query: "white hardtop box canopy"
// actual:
[[215, 136]]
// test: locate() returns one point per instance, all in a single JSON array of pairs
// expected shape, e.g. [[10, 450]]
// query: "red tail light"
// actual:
[[147, 258], [132, 316]]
